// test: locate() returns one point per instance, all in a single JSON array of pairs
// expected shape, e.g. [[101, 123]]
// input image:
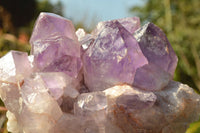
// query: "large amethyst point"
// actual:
[[156, 47], [113, 58], [55, 46], [161, 57]]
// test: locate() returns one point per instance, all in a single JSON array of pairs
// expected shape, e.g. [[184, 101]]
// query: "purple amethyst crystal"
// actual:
[[156, 47], [125, 85], [161, 58], [113, 58], [48, 24], [131, 24], [150, 77], [55, 47]]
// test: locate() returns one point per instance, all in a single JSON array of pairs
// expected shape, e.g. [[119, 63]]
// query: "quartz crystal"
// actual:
[[131, 24], [40, 107], [150, 77], [156, 47], [92, 108], [116, 79], [55, 46], [162, 59], [113, 58], [50, 24], [11, 68], [139, 111]]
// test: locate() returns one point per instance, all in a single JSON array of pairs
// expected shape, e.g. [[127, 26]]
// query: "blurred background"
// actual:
[[179, 19]]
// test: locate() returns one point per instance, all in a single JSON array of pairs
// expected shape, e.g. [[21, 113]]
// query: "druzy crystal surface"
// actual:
[[116, 79]]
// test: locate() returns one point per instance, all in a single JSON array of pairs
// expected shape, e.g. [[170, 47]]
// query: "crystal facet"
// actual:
[[41, 108], [117, 79], [55, 47], [156, 47], [113, 58], [149, 77], [135, 110], [14, 67], [49, 24], [131, 24], [161, 58]]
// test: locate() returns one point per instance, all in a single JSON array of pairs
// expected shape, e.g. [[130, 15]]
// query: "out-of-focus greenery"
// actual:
[[9, 42], [194, 128], [20, 15], [180, 20]]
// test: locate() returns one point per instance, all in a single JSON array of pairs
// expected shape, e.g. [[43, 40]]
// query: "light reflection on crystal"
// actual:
[[125, 85]]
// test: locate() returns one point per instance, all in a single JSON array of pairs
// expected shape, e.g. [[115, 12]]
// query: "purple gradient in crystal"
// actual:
[[113, 57], [55, 82], [47, 89], [156, 47], [150, 77], [61, 55], [48, 24], [130, 98], [131, 24], [55, 46]]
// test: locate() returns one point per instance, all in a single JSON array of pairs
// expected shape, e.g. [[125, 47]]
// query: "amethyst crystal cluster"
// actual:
[[117, 79]]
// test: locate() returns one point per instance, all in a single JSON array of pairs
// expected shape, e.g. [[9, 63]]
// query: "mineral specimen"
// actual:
[[161, 58], [55, 47], [117, 79], [113, 57], [156, 47], [11, 68]]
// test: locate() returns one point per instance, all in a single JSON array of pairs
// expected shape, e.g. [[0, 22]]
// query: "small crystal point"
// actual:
[[55, 82], [91, 107], [39, 108], [14, 67], [131, 24], [90, 103], [151, 78]]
